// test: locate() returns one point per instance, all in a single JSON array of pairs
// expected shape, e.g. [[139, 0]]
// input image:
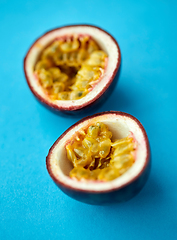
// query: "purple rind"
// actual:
[[116, 196], [100, 98], [113, 195]]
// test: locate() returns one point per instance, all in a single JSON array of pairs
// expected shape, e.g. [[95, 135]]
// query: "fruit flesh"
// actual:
[[96, 157], [70, 66]]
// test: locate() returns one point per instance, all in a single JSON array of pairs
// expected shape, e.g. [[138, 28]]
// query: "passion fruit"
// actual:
[[72, 68], [103, 158]]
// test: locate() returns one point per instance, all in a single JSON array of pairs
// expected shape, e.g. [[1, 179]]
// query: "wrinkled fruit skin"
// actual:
[[121, 195]]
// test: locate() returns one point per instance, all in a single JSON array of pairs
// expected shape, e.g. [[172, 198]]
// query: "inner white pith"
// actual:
[[121, 127], [105, 42]]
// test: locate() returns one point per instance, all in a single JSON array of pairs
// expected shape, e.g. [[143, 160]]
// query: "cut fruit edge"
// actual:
[[121, 125], [104, 40]]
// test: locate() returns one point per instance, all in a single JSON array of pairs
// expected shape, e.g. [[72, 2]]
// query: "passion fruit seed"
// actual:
[[95, 157], [69, 67]]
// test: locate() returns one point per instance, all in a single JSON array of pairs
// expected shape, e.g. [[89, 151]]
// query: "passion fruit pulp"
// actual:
[[95, 157], [119, 174], [72, 68]]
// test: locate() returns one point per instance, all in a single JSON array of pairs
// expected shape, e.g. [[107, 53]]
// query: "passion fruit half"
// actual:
[[101, 159], [72, 68]]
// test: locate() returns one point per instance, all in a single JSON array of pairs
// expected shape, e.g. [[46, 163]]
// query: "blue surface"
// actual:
[[31, 206]]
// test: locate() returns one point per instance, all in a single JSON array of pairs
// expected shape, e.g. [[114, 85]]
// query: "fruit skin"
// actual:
[[114, 195], [94, 103]]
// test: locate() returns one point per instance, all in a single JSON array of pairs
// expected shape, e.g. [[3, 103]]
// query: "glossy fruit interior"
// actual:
[[70, 66], [95, 156]]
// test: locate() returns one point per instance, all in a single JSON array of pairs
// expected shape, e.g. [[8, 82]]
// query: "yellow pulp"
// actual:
[[95, 157], [70, 67]]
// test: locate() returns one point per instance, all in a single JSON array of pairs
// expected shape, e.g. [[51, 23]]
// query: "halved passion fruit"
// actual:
[[101, 159], [72, 67]]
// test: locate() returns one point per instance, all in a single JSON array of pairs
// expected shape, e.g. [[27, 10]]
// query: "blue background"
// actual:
[[31, 206]]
